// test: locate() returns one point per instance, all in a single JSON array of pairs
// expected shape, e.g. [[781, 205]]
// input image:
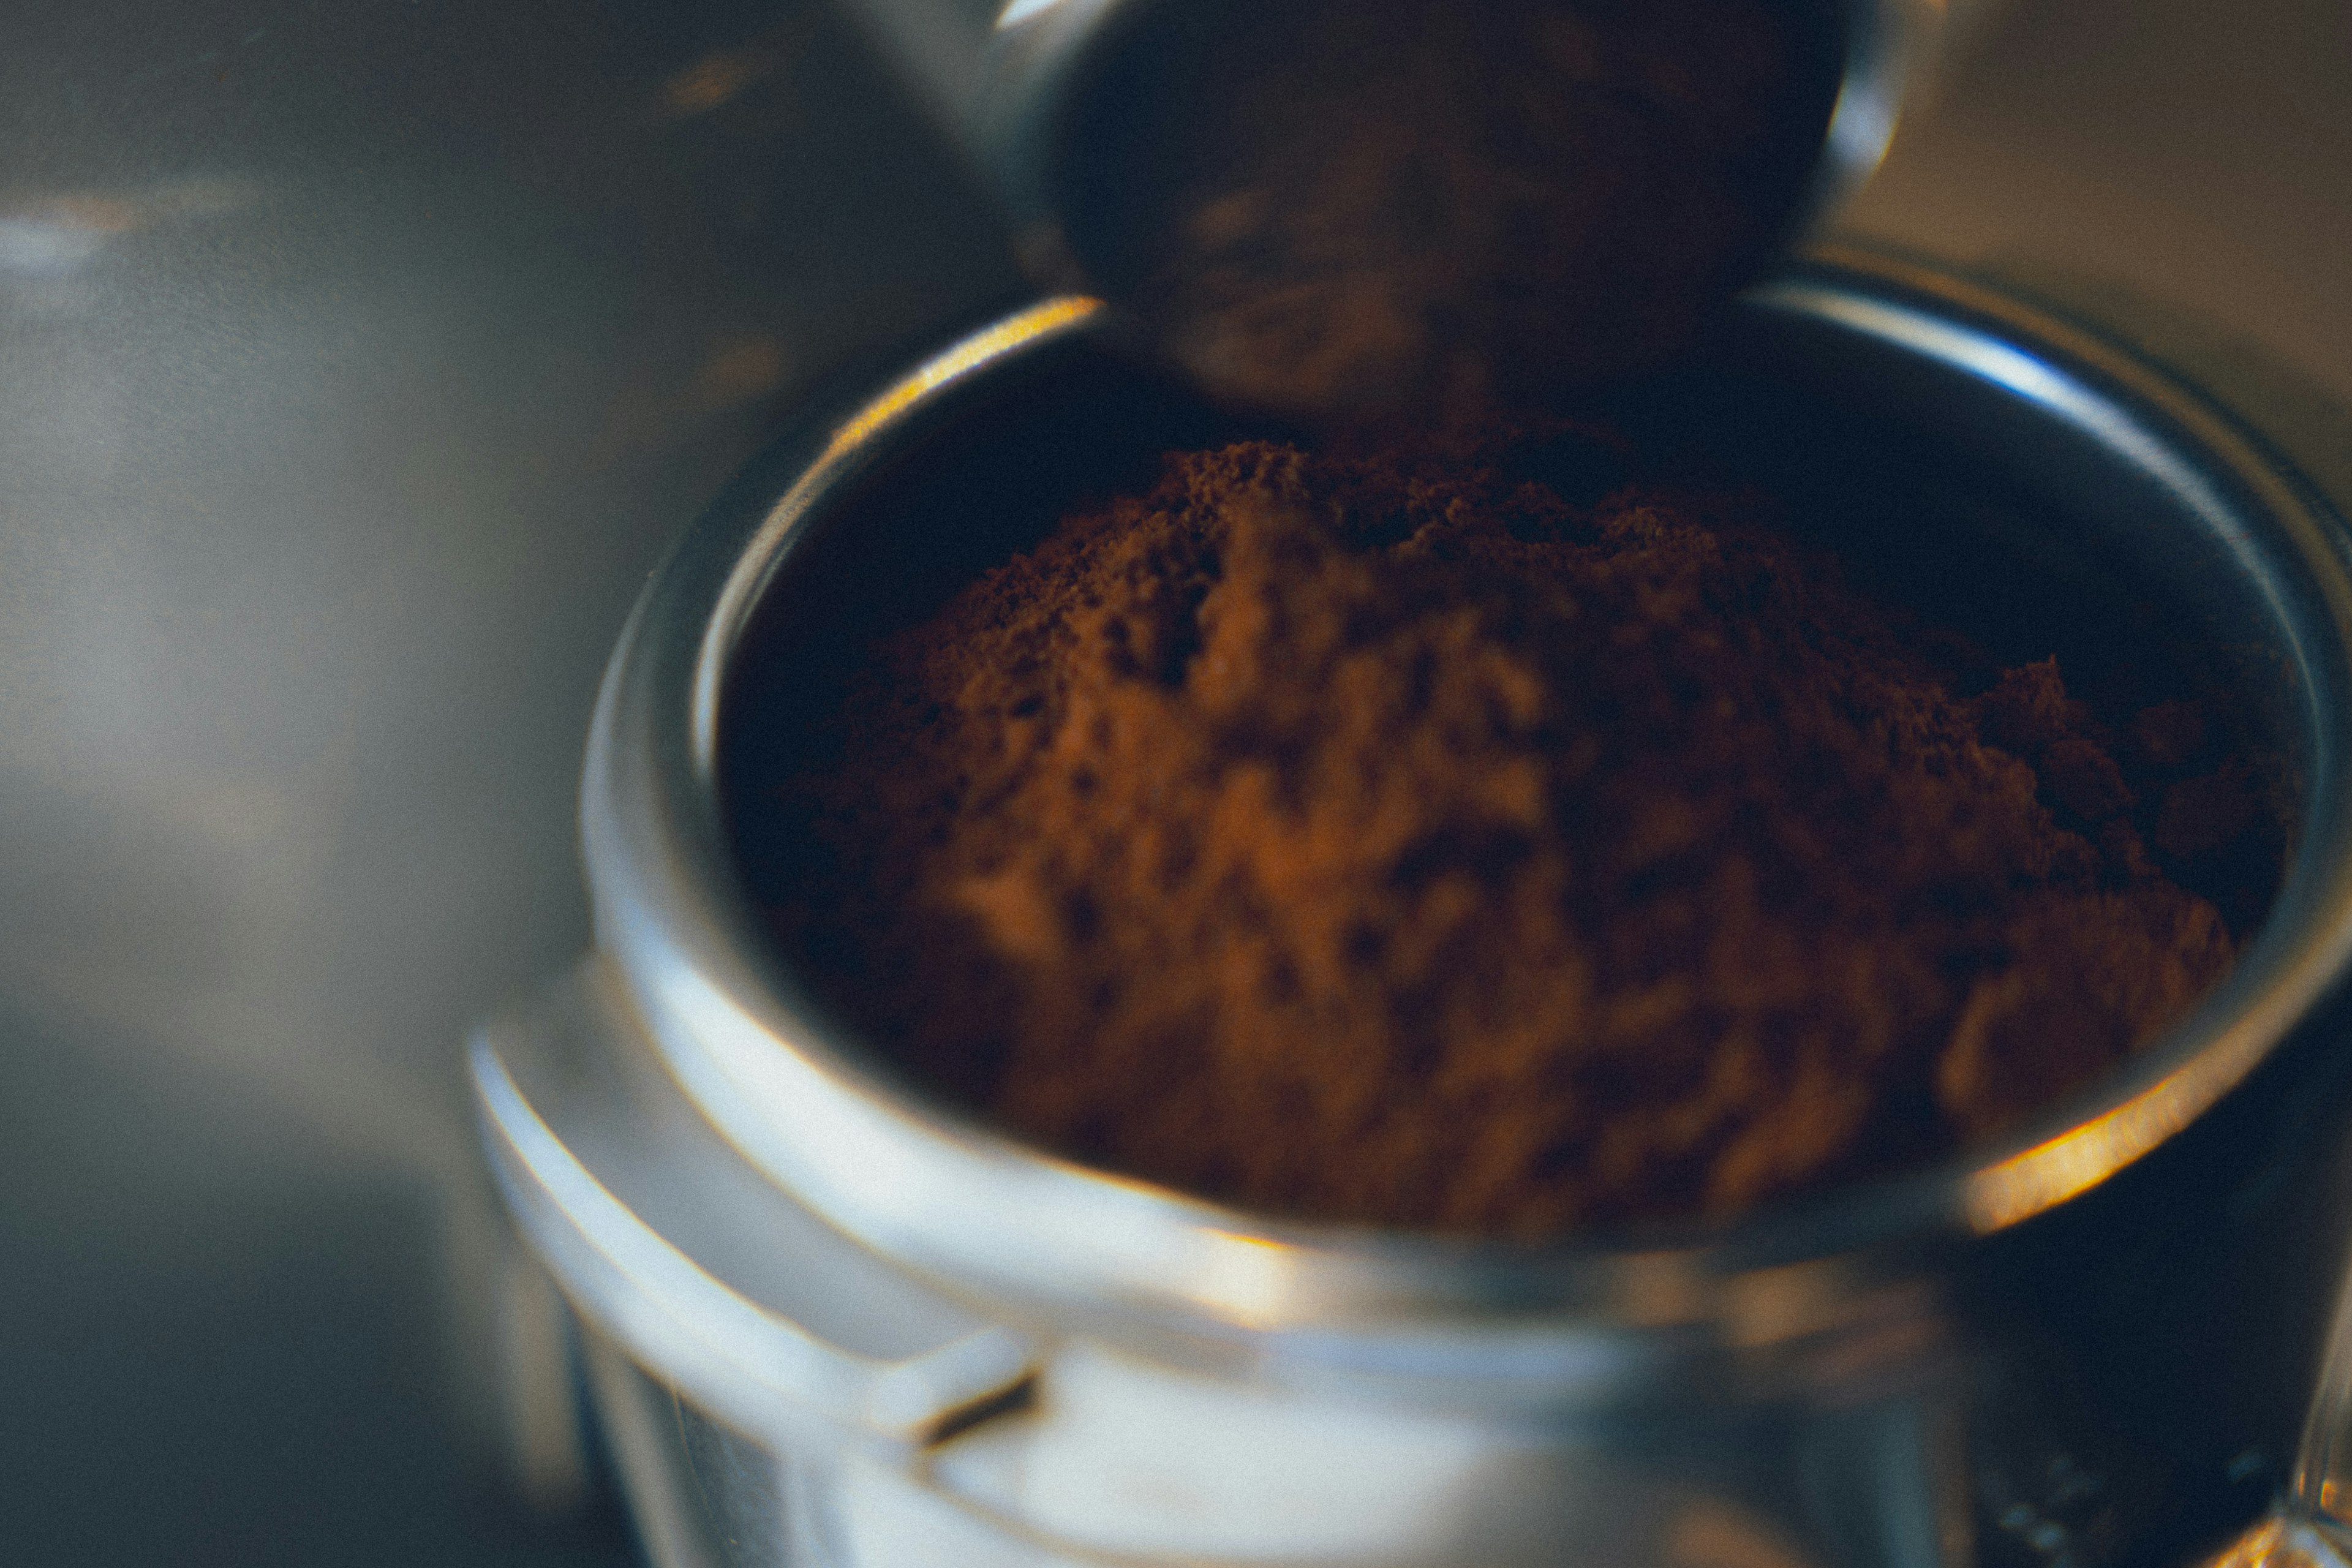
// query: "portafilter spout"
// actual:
[[1339, 210]]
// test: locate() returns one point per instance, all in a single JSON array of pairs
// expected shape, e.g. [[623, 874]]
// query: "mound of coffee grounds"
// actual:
[[1390, 840]]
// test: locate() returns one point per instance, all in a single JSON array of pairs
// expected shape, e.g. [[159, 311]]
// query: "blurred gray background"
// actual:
[[356, 362]]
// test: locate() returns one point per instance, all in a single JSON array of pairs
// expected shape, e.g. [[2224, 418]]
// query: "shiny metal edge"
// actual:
[[1020, 1232], [757, 1369]]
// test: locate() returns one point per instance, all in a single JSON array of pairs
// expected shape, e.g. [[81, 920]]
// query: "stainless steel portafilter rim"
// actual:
[[1036, 1237]]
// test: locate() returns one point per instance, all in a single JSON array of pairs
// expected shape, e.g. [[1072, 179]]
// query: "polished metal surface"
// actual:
[[738, 1447], [1153, 1377], [778, 1325]]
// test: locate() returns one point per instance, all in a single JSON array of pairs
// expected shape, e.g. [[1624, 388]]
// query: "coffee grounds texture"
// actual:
[[1390, 841]]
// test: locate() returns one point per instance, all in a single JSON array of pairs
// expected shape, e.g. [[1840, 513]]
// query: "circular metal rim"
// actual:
[[1032, 1236]]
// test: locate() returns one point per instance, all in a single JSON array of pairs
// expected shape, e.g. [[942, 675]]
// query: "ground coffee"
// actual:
[[1391, 840]]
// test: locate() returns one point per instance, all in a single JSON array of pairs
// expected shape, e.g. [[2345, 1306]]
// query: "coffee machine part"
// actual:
[[1354, 209], [829, 1321]]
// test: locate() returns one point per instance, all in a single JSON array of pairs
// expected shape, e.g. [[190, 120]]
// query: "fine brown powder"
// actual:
[[1391, 841]]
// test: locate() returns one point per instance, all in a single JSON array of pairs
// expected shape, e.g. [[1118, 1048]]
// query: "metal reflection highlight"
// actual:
[[1019, 11], [2083, 1156], [847, 443], [1249, 1278], [962, 360]]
